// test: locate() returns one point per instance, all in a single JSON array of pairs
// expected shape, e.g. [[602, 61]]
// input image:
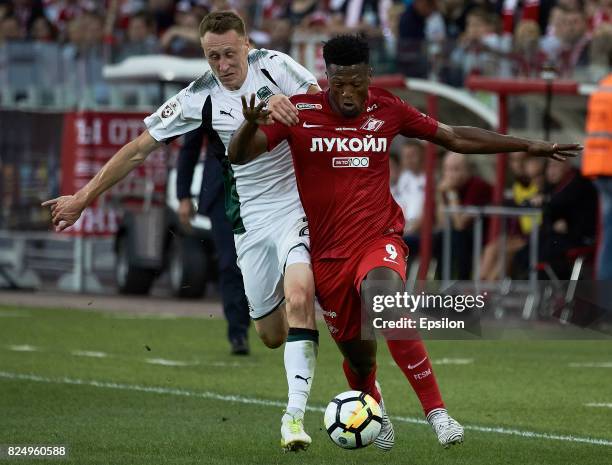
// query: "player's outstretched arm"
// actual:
[[469, 139], [66, 210], [248, 142]]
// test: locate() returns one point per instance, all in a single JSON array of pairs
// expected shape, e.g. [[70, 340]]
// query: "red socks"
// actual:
[[411, 357], [358, 383]]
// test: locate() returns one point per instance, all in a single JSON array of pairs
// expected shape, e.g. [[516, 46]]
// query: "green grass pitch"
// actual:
[[218, 409]]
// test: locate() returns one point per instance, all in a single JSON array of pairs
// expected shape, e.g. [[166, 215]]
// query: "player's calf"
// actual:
[[273, 328]]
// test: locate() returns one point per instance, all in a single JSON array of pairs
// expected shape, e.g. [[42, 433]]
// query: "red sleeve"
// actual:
[[414, 123], [276, 133]]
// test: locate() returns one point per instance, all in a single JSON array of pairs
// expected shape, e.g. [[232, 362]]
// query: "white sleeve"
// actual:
[[177, 116], [290, 76]]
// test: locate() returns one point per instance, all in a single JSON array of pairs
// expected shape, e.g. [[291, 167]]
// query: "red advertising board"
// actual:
[[89, 140]]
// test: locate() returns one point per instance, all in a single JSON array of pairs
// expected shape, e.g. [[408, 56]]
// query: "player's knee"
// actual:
[[272, 340], [299, 300]]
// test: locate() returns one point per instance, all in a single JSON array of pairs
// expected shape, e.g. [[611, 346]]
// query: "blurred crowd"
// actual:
[[567, 201], [447, 39]]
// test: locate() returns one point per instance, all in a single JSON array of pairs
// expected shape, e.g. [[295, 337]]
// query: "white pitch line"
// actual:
[[273, 403], [600, 404], [142, 316], [181, 363], [89, 353], [10, 314], [22, 348], [453, 361], [591, 365], [169, 363]]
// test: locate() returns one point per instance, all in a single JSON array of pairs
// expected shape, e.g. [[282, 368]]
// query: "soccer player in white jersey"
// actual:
[[262, 203]]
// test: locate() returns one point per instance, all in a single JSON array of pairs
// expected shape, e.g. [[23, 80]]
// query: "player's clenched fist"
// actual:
[[256, 114], [65, 210]]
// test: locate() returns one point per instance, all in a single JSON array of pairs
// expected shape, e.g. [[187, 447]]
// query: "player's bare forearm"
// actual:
[[125, 160], [469, 139], [247, 143], [66, 210]]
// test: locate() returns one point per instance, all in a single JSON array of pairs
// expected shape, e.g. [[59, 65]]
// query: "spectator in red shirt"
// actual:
[[460, 187]]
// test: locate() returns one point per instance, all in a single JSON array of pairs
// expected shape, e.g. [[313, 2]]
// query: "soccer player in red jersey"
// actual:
[[340, 152]]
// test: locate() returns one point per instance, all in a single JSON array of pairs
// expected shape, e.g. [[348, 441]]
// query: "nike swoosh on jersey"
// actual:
[[306, 125], [389, 260], [412, 367]]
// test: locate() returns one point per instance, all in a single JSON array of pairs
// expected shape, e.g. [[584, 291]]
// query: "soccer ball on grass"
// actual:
[[353, 419]]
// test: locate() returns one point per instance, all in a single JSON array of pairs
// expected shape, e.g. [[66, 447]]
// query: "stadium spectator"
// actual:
[[183, 39], [535, 169], [11, 30], [600, 52], [454, 13], [570, 50], [481, 49], [368, 16], [299, 10], [411, 190], [569, 216], [602, 13], [84, 55], [43, 30], [26, 12], [525, 187], [412, 60], [75, 38], [550, 43], [528, 59], [528, 10], [271, 25], [163, 12], [459, 186], [62, 12], [6, 9], [140, 39]]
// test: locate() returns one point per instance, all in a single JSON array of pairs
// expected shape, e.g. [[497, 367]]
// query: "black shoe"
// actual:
[[240, 346]]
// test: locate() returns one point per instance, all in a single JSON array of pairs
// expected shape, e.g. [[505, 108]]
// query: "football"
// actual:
[[353, 419]]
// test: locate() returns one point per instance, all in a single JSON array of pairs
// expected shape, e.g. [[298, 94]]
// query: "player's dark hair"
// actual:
[[346, 50], [220, 22]]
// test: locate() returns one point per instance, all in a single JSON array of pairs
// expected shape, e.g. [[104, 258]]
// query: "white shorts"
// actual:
[[263, 254]]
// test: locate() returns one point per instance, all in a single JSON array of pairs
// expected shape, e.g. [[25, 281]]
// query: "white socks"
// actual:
[[301, 351]]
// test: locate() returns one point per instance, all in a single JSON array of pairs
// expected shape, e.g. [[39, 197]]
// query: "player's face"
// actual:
[[348, 88], [227, 56]]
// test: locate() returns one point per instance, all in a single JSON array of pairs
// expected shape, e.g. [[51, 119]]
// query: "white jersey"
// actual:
[[263, 190]]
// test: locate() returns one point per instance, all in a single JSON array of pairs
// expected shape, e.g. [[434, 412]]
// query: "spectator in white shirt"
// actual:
[[410, 190]]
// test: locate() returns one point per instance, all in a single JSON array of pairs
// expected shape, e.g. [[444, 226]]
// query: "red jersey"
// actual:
[[342, 168]]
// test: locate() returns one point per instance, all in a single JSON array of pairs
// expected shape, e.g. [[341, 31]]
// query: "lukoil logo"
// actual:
[[351, 162]]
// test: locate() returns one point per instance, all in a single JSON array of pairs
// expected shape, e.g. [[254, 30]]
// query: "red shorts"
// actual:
[[338, 283]]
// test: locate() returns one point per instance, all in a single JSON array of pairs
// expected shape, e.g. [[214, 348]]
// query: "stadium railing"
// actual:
[[536, 293]]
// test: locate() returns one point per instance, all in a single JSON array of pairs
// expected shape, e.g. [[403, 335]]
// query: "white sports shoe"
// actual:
[[293, 436], [448, 430], [386, 438]]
